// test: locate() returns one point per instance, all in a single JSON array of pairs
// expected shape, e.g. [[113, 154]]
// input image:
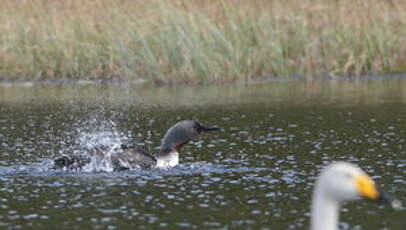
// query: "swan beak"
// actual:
[[366, 188]]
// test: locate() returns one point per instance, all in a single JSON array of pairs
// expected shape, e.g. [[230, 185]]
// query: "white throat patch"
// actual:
[[170, 160]]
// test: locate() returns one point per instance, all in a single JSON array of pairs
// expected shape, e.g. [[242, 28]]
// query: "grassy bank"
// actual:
[[200, 41]]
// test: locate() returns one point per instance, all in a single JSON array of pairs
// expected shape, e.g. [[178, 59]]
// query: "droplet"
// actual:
[[397, 204]]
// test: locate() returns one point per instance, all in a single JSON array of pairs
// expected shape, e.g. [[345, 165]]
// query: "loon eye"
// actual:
[[197, 126], [200, 128]]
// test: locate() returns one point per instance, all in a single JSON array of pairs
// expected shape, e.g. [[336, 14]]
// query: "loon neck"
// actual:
[[164, 152], [174, 139], [169, 147]]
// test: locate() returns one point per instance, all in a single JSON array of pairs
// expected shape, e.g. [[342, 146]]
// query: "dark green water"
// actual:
[[256, 173]]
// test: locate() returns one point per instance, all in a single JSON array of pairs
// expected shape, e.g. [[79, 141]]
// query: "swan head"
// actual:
[[342, 181], [337, 183]]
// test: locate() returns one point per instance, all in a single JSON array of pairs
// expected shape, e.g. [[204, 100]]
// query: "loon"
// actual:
[[126, 158]]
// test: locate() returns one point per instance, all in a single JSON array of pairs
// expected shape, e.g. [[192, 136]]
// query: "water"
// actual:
[[256, 173]]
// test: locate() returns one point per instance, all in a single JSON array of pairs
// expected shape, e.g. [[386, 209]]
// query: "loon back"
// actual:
[[129, 158]]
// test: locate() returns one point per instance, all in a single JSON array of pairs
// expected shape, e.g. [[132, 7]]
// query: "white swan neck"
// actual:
[[325, 212]]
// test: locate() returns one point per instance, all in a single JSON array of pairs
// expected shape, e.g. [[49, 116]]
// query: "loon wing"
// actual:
[[71, 162], [77, 162], [122, 159], [132, 159]]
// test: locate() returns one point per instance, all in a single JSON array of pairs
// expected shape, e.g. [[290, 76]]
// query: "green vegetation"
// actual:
[[200, 41]]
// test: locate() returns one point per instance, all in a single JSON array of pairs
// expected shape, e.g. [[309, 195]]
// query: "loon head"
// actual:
[[183, 132]]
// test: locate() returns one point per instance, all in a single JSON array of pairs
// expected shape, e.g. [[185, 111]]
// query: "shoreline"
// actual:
[[146, 83]]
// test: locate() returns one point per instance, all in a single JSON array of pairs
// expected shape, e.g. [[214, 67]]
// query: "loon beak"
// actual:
[[206, 128]]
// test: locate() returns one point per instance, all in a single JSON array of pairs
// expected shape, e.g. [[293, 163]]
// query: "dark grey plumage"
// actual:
[[131, 158]]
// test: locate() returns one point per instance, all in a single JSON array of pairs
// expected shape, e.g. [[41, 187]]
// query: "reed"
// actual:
[[200, 41]]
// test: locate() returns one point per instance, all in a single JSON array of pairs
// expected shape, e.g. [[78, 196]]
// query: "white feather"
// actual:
[[170, 160]]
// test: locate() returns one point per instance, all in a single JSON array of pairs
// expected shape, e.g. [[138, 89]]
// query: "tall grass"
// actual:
[[200, 41]]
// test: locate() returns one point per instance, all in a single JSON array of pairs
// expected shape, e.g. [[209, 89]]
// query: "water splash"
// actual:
[[97, 133], [99, 130], [102, 163]]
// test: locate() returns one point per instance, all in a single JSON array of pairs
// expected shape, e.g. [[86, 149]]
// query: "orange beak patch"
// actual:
[[366, 187]]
